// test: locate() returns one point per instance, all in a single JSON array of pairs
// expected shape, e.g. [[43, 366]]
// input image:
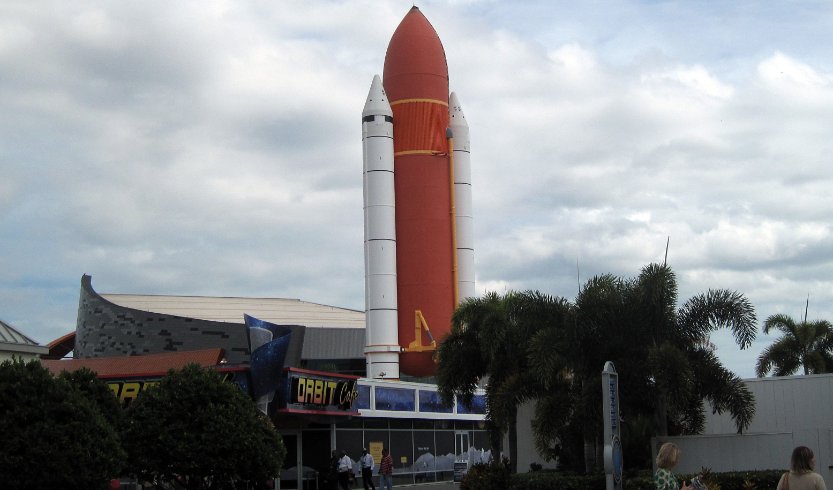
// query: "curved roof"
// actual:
[[230, 309], [129, 366]]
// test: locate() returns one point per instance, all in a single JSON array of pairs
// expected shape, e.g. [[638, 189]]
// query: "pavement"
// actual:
[[443, 485]]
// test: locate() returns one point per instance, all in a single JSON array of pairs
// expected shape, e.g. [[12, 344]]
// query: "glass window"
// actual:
[[375, 423], [481, 444], [398, 399], [423, 424], [352, 422], [363, 401], [445, 453], [425, 455], [430, 401], [315, 452], [376, 436], [291, 461], [400, 424], [402, 451], [350, 441], [478, 405]]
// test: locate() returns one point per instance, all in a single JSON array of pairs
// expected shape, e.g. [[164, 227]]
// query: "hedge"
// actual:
[[496, 476]]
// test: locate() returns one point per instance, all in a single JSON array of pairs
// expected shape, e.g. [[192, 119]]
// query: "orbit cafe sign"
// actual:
[[316, 392]]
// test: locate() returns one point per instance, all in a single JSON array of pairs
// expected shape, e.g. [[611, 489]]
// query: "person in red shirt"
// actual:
[[386, 471]]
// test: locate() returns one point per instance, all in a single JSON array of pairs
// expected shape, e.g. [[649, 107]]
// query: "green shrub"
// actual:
[[735, 480], [491, 476], [545, 480], [555, 480]]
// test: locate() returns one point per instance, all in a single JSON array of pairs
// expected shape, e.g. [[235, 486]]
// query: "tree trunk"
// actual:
[[589, 453], [513, 443], [661, 415]]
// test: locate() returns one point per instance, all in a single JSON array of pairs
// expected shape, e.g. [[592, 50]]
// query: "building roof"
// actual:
[[333, 343], [12, 340], [135, 366], [230, 309]]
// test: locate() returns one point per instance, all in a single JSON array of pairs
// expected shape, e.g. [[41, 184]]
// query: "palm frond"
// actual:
[[723, 389], [720, 308]]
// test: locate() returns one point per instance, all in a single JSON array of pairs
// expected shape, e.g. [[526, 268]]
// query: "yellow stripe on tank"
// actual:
[[430, 101]]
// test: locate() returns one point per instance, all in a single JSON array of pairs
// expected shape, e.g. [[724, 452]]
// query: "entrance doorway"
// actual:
[[307, 459], [461, 445]]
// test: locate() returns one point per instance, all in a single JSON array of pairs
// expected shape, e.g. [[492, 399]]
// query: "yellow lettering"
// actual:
[[299, 395], [331, 392], [115, 388], [319, 392], [129, 391], [310, 391]]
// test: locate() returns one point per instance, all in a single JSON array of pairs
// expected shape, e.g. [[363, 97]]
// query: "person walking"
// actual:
[[332, 472], [667, 458], [345, 467], [367, 469], [801, 475], [386, 471]]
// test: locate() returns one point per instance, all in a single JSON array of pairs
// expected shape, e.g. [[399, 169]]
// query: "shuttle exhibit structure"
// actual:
[[419, 251]]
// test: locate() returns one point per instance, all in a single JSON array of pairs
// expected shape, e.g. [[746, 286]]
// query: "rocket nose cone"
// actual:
[[455, 112], [377, 101], [415, 63]]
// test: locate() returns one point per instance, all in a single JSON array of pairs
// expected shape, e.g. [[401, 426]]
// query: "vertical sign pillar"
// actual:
[[613, 446]]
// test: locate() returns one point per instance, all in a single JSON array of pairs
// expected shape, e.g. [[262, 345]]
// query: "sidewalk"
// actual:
[[443, 485]]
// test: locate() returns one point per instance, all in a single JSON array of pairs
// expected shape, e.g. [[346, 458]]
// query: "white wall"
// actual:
[[527, 454], [26, 356], [789, 411]]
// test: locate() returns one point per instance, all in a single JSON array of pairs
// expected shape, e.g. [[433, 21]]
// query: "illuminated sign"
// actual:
[[309, 390], [127, 390]]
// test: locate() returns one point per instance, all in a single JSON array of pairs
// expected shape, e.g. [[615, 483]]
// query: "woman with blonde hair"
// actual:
[[667, 458], [801, 475]]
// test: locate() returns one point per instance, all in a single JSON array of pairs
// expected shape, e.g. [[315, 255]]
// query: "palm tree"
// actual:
[[666, 366], [807, 344], [683, 369], [683, 365], [490, 339]]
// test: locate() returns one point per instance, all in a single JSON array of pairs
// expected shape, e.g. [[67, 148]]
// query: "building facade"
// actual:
[[15, 345], [790, 411], [307, 374]]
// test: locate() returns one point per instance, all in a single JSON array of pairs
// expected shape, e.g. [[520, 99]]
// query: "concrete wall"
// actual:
[[25, 356], [527, 454], [789, 411]]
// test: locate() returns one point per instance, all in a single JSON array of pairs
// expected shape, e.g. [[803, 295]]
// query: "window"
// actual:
[[478, 405], [363, 401], [430, 401], [397, 399]]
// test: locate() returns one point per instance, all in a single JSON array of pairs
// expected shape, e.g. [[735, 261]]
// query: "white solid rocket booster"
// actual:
[[381, 332], [462, 199]]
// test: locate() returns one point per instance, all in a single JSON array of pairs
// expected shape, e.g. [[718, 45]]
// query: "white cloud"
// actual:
[[214, 148]]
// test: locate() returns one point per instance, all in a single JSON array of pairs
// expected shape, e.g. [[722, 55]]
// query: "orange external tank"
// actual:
[[416, 82]]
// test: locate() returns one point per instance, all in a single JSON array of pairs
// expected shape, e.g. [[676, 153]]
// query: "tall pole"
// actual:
[[613, 445]]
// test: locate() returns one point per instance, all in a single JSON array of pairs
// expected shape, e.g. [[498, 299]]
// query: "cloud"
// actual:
[[214, 148]]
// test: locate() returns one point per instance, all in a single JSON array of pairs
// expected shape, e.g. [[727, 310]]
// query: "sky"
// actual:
[[214, 148]]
